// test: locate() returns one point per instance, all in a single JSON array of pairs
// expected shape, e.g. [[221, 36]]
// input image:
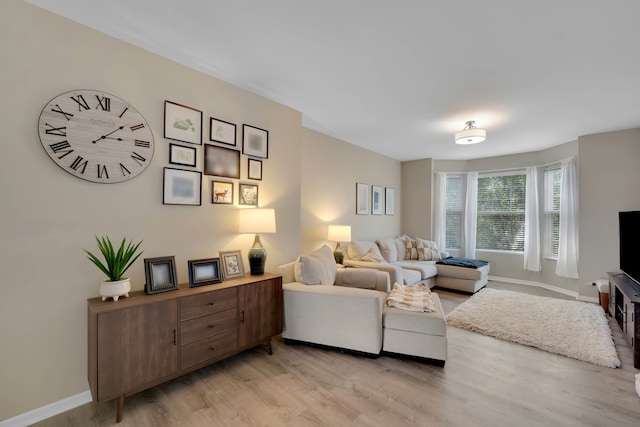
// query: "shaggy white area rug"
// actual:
[[571, 328]]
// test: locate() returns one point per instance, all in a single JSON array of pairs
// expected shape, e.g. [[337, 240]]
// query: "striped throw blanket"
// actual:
[[412, 298]]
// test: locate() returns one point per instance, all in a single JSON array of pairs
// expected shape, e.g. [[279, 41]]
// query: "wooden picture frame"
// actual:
[[182, 123], [221, 193], [181, 155], [182, 187], [389, 201], [362, 199], [376, 200], [254, 169], [222, 131], [248, 194], [221, 161], [204, 272], [160, 273], [255, 141], [232, 265]]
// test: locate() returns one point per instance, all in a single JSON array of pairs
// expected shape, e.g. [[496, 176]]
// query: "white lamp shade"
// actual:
[[339, 233], [256, 221]]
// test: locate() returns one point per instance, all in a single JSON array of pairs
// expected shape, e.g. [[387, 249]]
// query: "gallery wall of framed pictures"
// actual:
[[230, 166], [374, 199]]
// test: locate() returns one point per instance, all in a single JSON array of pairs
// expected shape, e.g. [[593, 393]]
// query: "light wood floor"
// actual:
[[485, 382]]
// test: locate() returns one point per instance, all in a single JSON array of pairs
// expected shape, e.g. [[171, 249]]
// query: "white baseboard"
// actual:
[[538, 284], [48, 411]]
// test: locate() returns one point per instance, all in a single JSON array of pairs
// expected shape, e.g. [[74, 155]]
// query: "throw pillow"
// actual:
[[318, 268], [356, 250], [411, 252], [388, 249], [374, 257], [427, 250], [401, 246]]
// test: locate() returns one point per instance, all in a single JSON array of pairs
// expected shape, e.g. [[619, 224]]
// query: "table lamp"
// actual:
[[257, 221], [339, 233]]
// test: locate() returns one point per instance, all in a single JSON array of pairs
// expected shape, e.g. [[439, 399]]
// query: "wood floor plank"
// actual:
[[485, 382]]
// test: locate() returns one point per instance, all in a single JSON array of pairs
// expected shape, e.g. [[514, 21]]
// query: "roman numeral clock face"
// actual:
[[96, 136]]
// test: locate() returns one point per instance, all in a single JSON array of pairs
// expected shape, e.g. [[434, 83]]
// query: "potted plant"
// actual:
[[116, 263]]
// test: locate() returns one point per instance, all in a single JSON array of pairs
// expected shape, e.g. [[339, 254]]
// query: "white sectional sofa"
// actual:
[[406, 262], [345, 308], [413, 260]]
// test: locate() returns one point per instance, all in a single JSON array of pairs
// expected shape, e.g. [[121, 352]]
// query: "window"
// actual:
[[455, 212], [551, 237], [501, 204]]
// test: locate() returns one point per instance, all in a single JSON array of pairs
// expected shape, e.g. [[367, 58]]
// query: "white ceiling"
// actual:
[[401, 77]]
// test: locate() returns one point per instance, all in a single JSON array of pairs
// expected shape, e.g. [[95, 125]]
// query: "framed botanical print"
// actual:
[[181, 155], [254, 169], [222, 132], [182, 123], [389, 201]]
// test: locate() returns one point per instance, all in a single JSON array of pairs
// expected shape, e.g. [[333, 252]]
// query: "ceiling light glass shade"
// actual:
[[470, 134]]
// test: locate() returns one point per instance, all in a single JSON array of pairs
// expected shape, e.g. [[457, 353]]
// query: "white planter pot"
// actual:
[[115, 289]]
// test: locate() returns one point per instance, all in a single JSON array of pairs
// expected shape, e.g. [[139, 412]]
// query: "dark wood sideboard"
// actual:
[[624, 307], [145, 340]]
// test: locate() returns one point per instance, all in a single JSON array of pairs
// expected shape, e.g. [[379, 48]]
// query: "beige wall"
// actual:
[[329, 172], [48, 216], [609, 176], [417, 177]]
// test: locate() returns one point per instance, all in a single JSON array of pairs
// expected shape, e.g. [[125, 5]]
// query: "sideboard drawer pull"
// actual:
[[211, 303], [211, 348], [211, 326]]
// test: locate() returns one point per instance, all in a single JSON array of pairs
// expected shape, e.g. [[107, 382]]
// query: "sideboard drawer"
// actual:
[[206, 326], [208, 348], [209, 303]]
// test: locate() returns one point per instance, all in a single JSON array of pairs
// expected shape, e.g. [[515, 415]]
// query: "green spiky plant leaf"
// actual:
[[116, 263]]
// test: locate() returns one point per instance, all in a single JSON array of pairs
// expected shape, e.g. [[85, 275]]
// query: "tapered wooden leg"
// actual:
[[269, 349], [120, 408]]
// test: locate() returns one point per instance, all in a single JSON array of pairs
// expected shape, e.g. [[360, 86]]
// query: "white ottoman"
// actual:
[[416, 334], [462, 278]]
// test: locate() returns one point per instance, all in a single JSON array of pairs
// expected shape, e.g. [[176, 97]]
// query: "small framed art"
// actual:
[[389, 201], [248, 194], [182, 123], [254, 169], [221, 131], [376, 200], [220, 161], [221, 193], [362, 198], [182, 187], [160, 274], [181, 155], [255, 142], [232, 267], [204, 272]]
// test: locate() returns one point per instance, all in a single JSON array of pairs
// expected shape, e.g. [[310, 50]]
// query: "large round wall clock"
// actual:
[[96, 136]]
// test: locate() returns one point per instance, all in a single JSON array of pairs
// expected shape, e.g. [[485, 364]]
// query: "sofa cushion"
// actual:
[[425, 269], [427, 250], [411, 252], [357, 249], [388, 249], [318, 268]]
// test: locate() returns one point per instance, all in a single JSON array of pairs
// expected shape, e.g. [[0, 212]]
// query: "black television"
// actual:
[[630, 244]]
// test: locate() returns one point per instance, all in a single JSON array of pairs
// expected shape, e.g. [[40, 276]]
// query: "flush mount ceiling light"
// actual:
[[470, 134]]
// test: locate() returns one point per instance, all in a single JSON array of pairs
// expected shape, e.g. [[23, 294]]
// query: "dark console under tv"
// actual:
[[624, 307]]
